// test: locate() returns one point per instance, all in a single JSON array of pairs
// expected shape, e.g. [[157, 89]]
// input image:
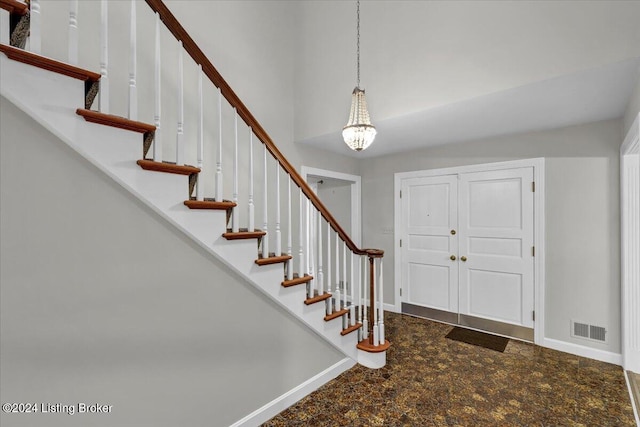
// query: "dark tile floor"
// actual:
[[433, 381]]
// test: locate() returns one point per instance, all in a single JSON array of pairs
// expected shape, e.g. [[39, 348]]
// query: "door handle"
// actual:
[[452, 257], [463, 258]]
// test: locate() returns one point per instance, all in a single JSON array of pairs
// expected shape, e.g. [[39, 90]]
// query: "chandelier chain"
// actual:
[[358, 40]]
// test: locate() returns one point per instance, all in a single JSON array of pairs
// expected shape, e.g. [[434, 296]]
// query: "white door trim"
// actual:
[[538, 225], [630, 246], [356, 201]]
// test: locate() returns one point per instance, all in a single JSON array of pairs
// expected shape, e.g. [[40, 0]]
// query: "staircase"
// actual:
[[325, 280]]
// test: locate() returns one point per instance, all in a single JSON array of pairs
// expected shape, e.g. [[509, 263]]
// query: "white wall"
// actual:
[[633, 108], [103, 301], [417, 55], [582, 216]]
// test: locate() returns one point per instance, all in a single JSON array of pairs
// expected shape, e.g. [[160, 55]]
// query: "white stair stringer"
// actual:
[[52, 99]]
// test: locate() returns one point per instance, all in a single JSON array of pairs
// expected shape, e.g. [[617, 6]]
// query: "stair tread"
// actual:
[[364, 345], [150, 165], [297, 281], [272, 259], [350, 329], [336, 314], [243, 234], [115, 121], [14, 6], [317, 298], [49, 64], [209, 204]]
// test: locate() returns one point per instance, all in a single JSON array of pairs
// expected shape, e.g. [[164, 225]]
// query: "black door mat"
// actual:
[[480, 339]]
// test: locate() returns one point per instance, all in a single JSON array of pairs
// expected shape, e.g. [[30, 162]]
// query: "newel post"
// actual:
[[375, 339]]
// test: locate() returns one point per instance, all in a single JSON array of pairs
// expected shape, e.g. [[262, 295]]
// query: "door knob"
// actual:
[[463, 258], [452, 257], [453, 232]]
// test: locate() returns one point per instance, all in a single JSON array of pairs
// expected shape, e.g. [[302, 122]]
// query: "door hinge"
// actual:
[[400, 291], [401, 194], [400, 242], [533, 251], [533, 315], [533, 186]]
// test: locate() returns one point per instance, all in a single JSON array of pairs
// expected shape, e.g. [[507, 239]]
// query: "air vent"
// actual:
[[591, 332], [597, 333], [580, 330]]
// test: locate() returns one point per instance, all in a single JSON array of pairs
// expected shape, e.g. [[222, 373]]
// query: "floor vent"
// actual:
[[583, 330]]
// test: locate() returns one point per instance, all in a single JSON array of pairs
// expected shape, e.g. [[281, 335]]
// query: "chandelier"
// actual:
[[359, 133]]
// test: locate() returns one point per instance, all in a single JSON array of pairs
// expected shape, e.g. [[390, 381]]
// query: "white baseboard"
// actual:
[[580, 350], [390, 307], [281, 403]]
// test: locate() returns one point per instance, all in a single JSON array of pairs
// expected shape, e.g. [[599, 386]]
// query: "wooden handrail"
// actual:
[[210, 71], [14, 6]]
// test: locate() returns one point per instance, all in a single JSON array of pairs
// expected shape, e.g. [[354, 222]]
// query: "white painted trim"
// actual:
[[539, 242], [281, 403], [482, 167], [581, 350], [630, 247], [356, 199], [538, 224], [391, 308], [636, 410]]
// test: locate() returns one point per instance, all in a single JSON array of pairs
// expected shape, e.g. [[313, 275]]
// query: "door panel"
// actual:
[[495, 295], [429, 286], [429, 209], [495, 237]]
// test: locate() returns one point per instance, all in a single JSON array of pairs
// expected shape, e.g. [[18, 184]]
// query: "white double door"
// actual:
[[467, 244]]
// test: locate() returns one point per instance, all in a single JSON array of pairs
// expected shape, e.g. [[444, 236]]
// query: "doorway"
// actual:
[[340, 193], [467, 246]]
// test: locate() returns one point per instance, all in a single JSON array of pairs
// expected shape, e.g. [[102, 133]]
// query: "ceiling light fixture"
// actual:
[[359, 133]]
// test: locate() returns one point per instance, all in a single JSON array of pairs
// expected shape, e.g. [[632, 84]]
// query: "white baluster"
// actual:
[[278, 231], [329, 288], [265, 217], [344, 274], [219, 159], [344, 283], [252, 221], [359, 283], [309, 245], [200, 160], [320, 254], [336, 294], [381, 307], [133, 64], [104, 57], [235, 226], [365, 292], [157, 140], [352, 307], [376, 332], [301, 269], [180, 132], [73, 32], [35, 34], [289, 232]]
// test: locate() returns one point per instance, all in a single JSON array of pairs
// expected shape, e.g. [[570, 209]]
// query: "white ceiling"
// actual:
[[439, 72], [582, 97]]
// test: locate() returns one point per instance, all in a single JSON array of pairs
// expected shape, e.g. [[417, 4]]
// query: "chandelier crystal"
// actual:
[[358, 133]]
